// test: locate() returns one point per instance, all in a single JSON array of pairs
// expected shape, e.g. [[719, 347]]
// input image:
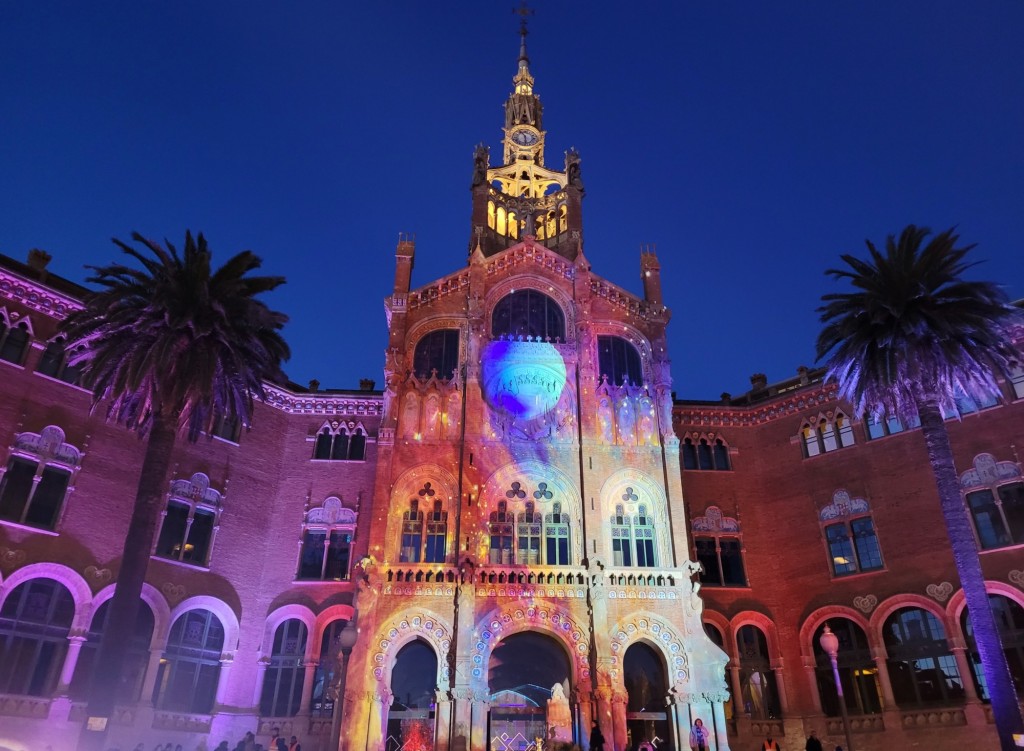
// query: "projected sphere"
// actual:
[[523, 379]]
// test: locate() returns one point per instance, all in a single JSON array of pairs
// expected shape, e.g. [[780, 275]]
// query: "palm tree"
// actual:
[[913, 335], [171, 347]]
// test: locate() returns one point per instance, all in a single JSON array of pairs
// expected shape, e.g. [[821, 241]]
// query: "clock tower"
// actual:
[[522, 197]]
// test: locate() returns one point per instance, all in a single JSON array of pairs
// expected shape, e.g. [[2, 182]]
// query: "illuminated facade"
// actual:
[[506, 526]]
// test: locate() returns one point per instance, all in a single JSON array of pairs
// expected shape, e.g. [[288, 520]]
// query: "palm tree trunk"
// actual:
[[150, 495], [1005, 706]]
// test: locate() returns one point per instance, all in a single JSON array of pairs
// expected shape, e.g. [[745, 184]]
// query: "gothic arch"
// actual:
[[611, 494], [76, 585], [763, 622], [226, 616], [157, 605], [957, 603], [286, 613], [518, 617], [642, 626], [538, 283], [894, 603], [405, 627], [813, 622], [632, 335], [436, 323], [323, 621]]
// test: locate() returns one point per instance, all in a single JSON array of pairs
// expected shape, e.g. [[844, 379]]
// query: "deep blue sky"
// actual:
[[753, 142]]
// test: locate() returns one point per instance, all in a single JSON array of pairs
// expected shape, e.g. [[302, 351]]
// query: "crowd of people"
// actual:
[[276, 742]]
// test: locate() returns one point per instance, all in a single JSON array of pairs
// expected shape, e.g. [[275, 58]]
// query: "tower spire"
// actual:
[[524, 12]]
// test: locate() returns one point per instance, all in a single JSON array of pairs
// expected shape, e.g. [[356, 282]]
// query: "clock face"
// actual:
[[524, 137]]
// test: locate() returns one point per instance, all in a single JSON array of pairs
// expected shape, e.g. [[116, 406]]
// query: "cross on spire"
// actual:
[[524, 12]]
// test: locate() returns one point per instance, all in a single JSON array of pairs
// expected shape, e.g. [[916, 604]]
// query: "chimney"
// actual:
[[726, 397], [314, 386], [38, 259], [758, 381], [802, 372], [366, 384]]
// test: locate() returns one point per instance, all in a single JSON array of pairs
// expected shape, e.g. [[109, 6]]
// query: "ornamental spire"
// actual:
[[523, 76]]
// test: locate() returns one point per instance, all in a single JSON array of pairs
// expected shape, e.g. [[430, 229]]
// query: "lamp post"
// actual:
[[343, 644], [830, 643]]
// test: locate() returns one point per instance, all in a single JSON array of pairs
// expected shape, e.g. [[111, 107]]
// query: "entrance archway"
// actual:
[[646, 686], [528, 679], [414, 686]]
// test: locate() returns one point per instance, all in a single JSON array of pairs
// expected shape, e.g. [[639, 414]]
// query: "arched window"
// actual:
[[825, 437], [513, 225], [500, 526], [136, 655], [490, 214], [643, 534], [437, 535], [633, 535], [689, 454], [1009, 617], [921, 665], [35, 621], [190, 669], [412, 533], [340, 442], [528, 313], [500, 226], [437, 352], [325, 672], [13, 341], [857, 671], [721, 455], [812, 444], [563, 218], [282, 682], [550, 226], [54, 363], [622, 538], [187, 532], [704, 460], [556, 536], [757, 677], [39, 472], [528, 534], [618, 359]]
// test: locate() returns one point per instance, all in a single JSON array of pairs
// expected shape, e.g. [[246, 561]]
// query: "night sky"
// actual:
[[752, 142]]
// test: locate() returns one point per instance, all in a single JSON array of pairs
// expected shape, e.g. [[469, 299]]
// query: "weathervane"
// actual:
[[523, 11]]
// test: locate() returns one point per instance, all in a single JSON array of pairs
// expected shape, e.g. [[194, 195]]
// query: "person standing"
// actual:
[[596, 739], [813, 744], [294, 744], [699, 736], [770, 744]]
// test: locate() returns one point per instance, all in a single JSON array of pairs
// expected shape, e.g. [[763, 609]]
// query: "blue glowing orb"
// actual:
[[523, 379]]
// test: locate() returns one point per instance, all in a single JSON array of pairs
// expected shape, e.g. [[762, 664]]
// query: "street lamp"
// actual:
[[343, 644], [830, 643]]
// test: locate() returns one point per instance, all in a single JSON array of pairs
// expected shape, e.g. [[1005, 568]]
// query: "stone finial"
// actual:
[[314, 385], [366, 384], [758, 381], [38, 259]]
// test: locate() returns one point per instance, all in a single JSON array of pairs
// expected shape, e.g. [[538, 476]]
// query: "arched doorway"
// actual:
[[528, 678], [646, 688], [414, 686]]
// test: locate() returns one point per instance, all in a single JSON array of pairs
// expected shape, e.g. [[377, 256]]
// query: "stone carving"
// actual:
[[197, 488], [987, 471], [98, 575], [842, 506], [48, 444], [331, 512], [174, 593], [714, 521], [559, 716], [939, 592], [866, 603], [10, 557], [1017, 577]]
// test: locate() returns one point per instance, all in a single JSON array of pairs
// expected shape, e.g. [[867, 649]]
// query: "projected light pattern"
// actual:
[[523, 379]]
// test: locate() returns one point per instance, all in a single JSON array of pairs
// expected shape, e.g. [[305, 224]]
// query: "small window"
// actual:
[[54, 363], [689, 454], [34, 487], [850, 535], [340, 442], [825, 437], [995, 498], [1017, 382], [722, 558], [500, 526], [437, 353], [188, 527], [13, 342], [528, 313], [619, 360], [327, 543]]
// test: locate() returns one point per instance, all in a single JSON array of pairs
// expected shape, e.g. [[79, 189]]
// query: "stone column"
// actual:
[[478, 730], [812, 680], [442, 720], [67, 671], [377, 724], [261, 674], [973, 711], [780, 684], [223, 684], [581, 715], [307, 687], [152, 669], [619, 738], [721, 729], [888, 701], [604, 716]]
